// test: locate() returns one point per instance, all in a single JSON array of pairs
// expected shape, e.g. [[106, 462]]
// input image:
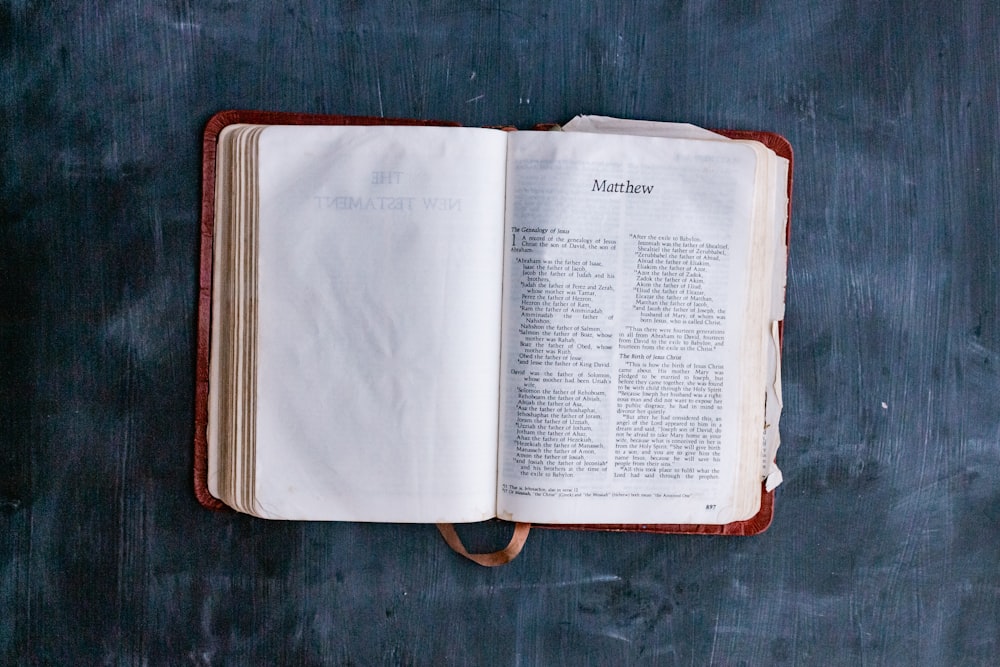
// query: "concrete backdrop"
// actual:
[[885, 549]]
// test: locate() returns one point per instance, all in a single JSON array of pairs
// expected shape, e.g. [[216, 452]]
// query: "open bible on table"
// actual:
[[408, 321]]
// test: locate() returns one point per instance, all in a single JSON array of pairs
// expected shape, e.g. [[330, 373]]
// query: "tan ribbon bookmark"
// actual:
[[505, 555]]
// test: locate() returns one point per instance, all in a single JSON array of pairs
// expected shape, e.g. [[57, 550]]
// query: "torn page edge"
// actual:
[[772, 413], [780, 271]]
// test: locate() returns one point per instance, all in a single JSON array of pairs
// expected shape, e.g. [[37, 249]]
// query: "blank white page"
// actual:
[[380, 273]]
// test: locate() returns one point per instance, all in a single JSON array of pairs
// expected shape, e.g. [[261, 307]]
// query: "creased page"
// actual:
[[624, 315], [380, 276], [639, 128]]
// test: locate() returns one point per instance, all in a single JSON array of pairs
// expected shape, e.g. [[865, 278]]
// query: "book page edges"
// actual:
[[210, 138]]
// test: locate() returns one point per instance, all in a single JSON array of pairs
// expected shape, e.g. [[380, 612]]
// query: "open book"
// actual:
[[416, 323]]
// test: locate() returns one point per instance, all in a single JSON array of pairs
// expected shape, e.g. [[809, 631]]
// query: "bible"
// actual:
[[575, 326]]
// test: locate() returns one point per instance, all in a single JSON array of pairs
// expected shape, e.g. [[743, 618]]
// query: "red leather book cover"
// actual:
[[775, 142]]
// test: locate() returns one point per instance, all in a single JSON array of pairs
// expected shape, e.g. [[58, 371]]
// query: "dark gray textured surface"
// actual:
[[885, 549]]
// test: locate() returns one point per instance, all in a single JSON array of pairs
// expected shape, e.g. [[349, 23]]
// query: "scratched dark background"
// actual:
[[885, 549]]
